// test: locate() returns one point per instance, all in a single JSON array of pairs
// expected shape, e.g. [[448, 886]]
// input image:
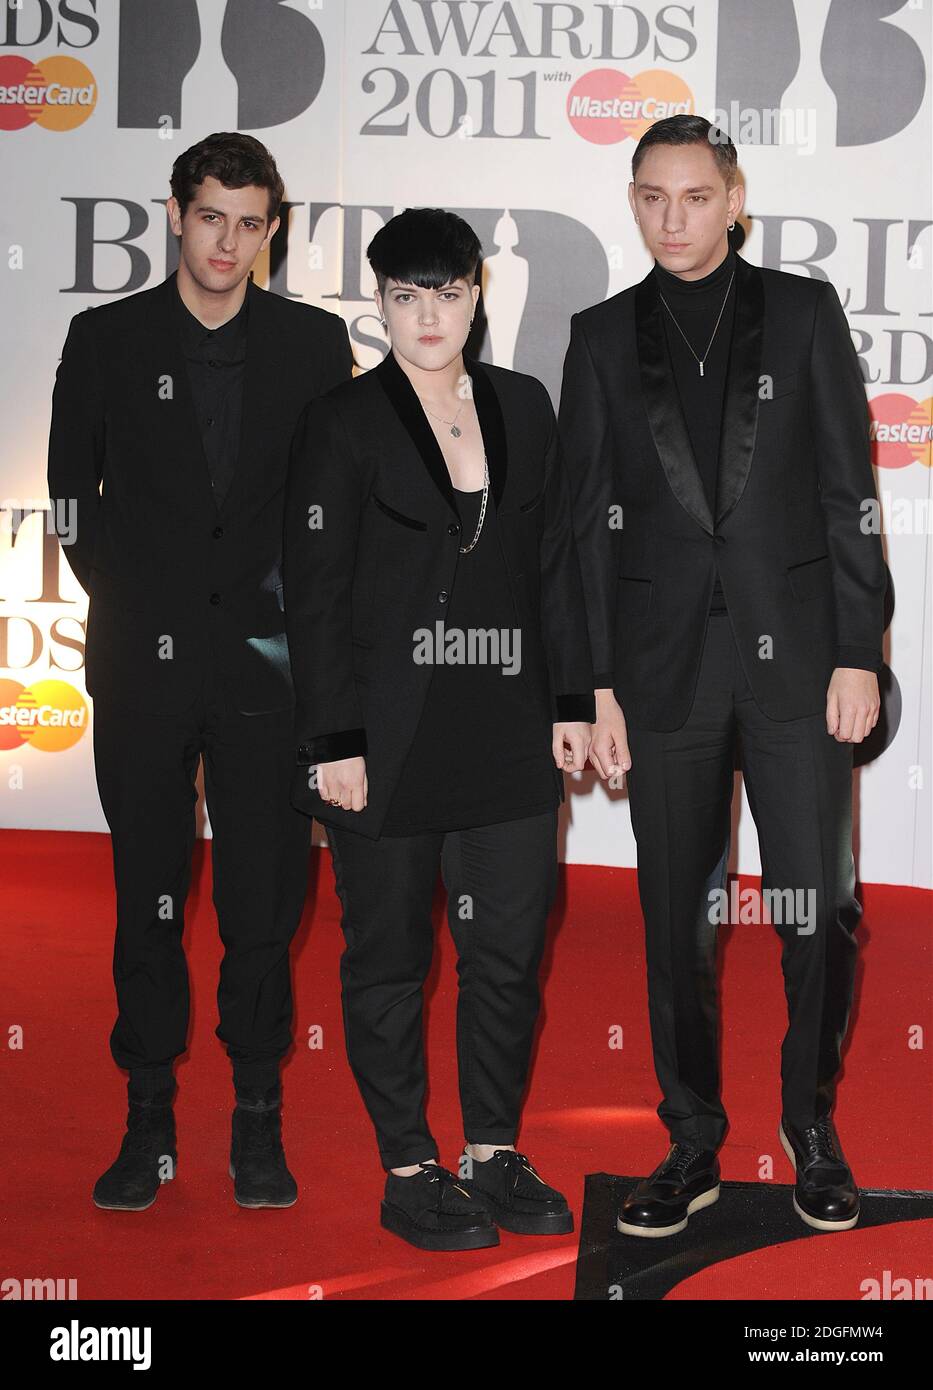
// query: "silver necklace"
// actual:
[[702, 359], [465, 549], [456, 432], [454, 427]]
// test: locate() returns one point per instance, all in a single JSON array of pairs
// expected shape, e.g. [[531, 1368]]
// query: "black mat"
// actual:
[[748, 1216]]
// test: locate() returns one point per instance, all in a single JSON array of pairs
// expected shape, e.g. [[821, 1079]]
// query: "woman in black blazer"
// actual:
[[439, 649]]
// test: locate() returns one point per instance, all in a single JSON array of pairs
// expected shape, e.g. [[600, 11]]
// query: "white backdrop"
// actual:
[[522, 117]]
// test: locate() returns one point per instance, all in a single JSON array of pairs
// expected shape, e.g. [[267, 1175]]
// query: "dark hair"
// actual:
[[429, 247], [235, 160], [690, 130]]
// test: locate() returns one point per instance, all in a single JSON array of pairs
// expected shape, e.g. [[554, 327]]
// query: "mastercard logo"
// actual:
[[606, 106], [58, 93], [901, 430], [50, 715]]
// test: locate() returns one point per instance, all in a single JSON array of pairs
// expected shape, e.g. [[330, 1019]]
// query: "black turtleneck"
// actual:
[[695, 304]]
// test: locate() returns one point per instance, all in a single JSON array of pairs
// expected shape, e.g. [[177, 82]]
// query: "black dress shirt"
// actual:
[[216, 359]]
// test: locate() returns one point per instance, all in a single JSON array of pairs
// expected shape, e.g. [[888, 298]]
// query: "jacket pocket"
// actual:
[[361, 657], [532, 502], [783, 385], [118, 591], [810, 578], [400, 517], [634, 595]]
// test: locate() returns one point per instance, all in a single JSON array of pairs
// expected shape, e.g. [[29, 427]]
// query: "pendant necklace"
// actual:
[[702, 359], [455, 429], [456, 432]]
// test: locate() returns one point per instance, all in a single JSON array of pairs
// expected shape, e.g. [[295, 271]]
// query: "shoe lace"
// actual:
[[513, 1162], [819, 1143], [142, 1123], [682, 1155], [261, 1133], [444, 1178]]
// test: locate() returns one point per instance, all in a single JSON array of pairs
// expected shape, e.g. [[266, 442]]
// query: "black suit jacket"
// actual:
[[803, 581], [379, 561], [176, 582]]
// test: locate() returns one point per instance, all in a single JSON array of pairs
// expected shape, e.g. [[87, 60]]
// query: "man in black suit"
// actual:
[[715, 428], [181, 401]]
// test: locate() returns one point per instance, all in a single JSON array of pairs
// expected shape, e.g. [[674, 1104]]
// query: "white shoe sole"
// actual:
[[705, 1199], [805, 1216]]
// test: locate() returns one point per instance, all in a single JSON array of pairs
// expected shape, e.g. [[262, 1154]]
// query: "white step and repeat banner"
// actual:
[[522, 117]]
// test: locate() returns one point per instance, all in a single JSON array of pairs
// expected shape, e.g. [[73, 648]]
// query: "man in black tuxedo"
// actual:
[[172, 416], [715, 428]]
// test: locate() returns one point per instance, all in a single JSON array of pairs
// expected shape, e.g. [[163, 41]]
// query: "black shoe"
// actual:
[[518, 1198], [257, 1159], [434, 1211], [825, 1194], [661, 1205], [148, 1156]]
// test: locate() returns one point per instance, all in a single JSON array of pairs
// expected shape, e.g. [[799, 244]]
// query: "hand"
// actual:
[[345, 782], [575, 737], [853, 704], [609, 751]]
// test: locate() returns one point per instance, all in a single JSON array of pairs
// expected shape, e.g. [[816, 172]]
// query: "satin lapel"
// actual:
[[740, 407], [662, 403], [183, 449], [404, 399], [261, 374]]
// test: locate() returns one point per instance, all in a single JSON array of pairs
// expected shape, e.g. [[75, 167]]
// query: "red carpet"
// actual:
[[888, 1259], [591, 1107]]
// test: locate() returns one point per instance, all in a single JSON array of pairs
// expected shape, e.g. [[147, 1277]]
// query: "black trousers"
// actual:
[[146, 768], [799, 784], [500, 880]]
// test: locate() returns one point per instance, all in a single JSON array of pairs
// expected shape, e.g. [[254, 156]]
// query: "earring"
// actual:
[[471, 322], [383, 322], [731, 227]]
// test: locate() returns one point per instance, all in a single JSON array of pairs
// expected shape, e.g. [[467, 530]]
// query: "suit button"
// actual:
[[453, 528], [215, 598], [720, 540], [218, 532], [443, 596]]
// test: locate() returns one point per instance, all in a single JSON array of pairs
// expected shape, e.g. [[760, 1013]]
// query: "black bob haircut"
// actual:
[[690, 130], [429, 247]]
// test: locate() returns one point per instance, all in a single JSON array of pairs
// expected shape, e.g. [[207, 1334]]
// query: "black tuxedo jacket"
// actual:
[[379, 560], [802, 580], [174, 580]]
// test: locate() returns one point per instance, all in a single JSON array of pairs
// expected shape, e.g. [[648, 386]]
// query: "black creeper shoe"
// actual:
[[517, 1196], [434, 1211]]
